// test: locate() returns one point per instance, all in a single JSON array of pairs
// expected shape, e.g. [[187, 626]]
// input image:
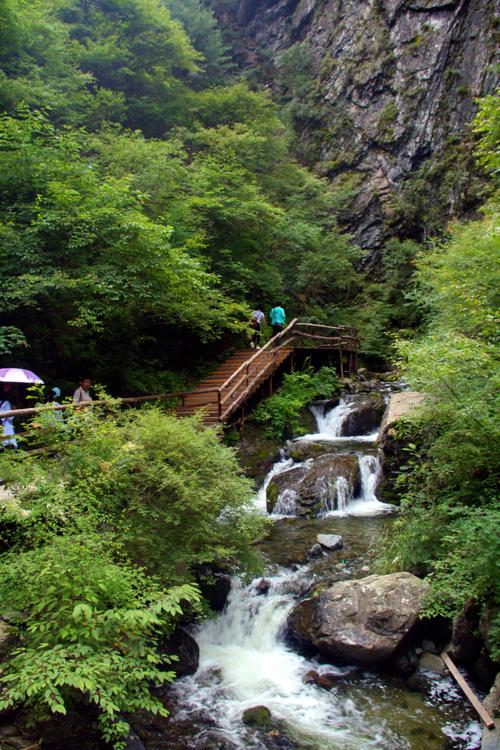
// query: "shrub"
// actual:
[[281, 412], [96, 535]]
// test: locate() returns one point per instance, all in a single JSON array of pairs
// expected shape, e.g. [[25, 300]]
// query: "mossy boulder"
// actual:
[[315, 487], [288, 480], [302, 450], [258, 716]]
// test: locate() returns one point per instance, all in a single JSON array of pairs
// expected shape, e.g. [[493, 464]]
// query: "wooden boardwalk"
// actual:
[[234, 382], [224, 393]]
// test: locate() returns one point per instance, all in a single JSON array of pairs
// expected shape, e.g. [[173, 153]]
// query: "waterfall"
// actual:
[[244, 663], [286, 504], [368, 504], [329, 424], [278, 468], [344, 494]]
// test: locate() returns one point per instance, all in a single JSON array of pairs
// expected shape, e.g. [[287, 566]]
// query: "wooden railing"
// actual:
[[239, 386], [181, 395]]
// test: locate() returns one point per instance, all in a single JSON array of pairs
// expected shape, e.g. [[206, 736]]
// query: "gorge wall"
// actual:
[[380, 93]]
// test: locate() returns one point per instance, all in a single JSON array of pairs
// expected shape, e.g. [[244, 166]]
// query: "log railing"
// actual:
[[240, 385]]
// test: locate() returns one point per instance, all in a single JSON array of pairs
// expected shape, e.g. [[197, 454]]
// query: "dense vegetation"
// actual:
[[146, 197], [280, 414], [448, 527], [102, 544]]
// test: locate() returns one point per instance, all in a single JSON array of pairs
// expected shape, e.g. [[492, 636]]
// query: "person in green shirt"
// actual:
[[277, 319]]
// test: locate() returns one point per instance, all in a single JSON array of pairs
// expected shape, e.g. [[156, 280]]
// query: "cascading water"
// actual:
[[279, 467], [344, 494], [244, 645], [244, 661], [368, 504], [329, 423]]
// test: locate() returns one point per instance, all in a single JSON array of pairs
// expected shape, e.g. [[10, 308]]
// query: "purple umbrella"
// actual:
[[18, 375]]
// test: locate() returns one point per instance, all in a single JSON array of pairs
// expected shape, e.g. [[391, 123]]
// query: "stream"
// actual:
[[246, 662]]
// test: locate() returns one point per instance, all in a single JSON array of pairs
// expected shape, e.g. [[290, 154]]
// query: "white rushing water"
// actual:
[[367, 504], [329, 428], [279, 467], [330, 424], [244, 663]]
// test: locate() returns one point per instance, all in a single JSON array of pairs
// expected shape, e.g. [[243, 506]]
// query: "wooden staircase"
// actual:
[[225, 391], [206, 395]]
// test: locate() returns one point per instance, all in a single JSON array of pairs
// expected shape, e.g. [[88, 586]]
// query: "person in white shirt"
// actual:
[[82, 394], [256, 320]]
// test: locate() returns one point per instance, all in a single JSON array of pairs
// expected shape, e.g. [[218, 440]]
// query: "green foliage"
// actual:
[[90, 624], [87, 254], [95, 536], [389, 304], [487, 125], [10, 338], [139, 245], [387, 118], [280, 413], [448, 527], [204, 34], [173, 493]]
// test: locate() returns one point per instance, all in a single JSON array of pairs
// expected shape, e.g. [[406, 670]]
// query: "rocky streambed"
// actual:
[[321, 652]]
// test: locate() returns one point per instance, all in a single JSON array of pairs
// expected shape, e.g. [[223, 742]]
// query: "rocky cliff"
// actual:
[[380, 93]]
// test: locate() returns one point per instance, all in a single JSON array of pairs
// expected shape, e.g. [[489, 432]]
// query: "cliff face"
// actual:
[[392, 84]]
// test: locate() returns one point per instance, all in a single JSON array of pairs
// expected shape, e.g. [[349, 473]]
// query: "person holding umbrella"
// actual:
[[10, 375], [8, 429]]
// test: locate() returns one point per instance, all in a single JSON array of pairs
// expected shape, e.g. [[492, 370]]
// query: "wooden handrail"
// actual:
[[228, 396], [258, 354]]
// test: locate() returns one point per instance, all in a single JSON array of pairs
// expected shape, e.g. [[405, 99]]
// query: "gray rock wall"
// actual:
[[392, 81]]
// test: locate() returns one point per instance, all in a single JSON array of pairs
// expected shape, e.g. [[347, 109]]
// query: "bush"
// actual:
[[89, 623], [280, 413], [448, 525], [95, 536]]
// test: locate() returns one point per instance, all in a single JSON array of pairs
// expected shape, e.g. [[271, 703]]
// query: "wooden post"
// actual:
[[219, 403], [242, 422], [341, 359], [472, 697]]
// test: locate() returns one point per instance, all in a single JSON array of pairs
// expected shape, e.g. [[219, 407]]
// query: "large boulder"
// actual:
[[365, 417], [318, 489], [363, 622], [393, 442], [314, 489]]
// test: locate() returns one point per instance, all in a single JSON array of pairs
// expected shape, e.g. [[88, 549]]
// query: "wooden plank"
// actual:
[[469, 693]]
